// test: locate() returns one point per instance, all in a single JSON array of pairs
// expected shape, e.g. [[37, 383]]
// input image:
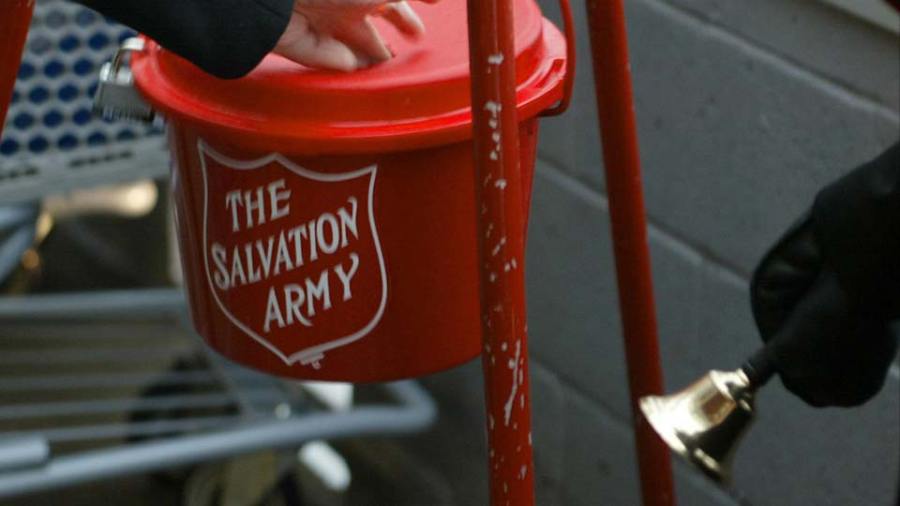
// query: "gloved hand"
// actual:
[[339, 34], [825, 295], [826, 347]]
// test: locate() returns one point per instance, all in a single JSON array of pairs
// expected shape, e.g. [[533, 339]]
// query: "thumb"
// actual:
[[784, 275]]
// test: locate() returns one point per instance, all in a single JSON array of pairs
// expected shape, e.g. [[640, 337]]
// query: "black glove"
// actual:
[[824, 296]]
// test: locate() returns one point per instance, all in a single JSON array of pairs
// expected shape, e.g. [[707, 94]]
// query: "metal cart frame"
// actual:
[[28, 466]]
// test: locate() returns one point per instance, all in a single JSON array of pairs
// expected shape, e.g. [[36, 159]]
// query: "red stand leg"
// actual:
[[501, 252], [15, 16], [615, 106]]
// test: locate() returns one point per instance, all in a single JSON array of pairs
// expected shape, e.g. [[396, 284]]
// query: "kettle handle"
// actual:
[[569, 82], [129, 45]]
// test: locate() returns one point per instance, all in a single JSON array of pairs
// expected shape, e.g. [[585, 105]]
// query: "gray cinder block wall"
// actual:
[[745, 109]]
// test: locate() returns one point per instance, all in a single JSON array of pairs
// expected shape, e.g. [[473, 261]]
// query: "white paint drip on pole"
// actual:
[[514, 365]]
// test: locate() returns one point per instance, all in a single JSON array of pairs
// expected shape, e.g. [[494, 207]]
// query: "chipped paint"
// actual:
[[499, 246], [502, 293], [494, 108], [514, 365]]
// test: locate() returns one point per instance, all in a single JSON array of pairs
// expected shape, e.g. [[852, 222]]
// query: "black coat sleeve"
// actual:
[[858, 225], [226, 38]]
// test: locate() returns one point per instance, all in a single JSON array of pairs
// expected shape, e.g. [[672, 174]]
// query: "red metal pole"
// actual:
[[501, 227], [615, 106], [15, 16]]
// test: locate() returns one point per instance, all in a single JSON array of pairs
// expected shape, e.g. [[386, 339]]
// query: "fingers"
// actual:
[[365, 39], [404, 19], [328, 54], [302, 45], [339, 34]]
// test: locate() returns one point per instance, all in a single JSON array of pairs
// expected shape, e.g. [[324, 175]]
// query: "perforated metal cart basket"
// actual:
[[52, 142], [103, 384]]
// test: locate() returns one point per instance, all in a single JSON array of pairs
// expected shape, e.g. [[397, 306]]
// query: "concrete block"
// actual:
[[727, 334], [571, 141], [796, 455], [694, 489], [599, 457], [816, 36], [548, 413], [601, 464], [573, 304], [677, 286], [735, 142]]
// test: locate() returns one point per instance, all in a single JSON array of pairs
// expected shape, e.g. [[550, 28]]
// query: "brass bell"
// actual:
[[704, 422]]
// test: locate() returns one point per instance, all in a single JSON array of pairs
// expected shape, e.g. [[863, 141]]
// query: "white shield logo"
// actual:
[[292, 255]]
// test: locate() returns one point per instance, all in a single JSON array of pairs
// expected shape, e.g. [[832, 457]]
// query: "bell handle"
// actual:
[[759, 368]]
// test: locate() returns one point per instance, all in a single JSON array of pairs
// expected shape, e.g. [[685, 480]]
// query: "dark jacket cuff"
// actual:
[[226, 38]]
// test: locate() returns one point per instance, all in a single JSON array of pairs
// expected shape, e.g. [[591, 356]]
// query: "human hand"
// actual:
[[339, 34], [827, 346]]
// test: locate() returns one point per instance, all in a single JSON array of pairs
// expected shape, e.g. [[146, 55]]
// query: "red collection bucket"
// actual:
[[327, 221]]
